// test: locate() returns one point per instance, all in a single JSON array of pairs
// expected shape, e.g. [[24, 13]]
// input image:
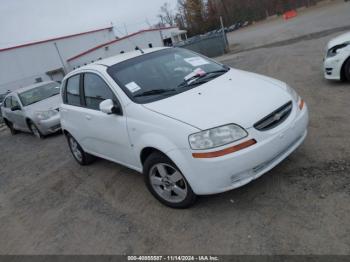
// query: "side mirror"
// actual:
[[108, 107], [15, 108]]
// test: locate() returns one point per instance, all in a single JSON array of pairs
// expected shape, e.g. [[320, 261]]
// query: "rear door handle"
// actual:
[[88, 117]]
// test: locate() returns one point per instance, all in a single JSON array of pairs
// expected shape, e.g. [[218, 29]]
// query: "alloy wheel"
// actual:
[[168, 183], [75, 149], [35, 130]]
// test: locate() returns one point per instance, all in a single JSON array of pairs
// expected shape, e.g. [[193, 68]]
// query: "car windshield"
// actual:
[[38, 94], [164, 73]]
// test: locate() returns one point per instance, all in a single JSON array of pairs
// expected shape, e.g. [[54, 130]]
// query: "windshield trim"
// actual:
[[131, 61]]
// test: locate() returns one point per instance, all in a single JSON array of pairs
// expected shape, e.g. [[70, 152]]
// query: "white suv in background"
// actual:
[[191, 125], [337, 61]]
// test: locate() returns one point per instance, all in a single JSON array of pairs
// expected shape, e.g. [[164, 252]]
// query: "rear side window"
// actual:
[[7, 102], [72, 91], [96, 90]]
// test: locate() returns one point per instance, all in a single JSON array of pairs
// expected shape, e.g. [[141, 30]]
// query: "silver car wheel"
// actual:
[[75, 149], [168, 183], [35, 130]]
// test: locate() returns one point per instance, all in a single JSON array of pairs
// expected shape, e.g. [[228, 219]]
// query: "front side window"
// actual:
[[72, 91], [39, 93], [14, 102], [164, 73], [96, 90]]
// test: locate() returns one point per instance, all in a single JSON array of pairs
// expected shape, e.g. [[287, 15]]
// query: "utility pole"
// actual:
[[61, 59], [126, 29], [223, 34]]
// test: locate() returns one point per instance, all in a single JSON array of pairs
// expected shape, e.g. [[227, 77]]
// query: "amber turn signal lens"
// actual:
[[301, 104], [226, 151]]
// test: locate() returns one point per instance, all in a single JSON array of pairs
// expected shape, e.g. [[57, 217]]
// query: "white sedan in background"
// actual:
[[33, 109], [337, 61], [191, 125]]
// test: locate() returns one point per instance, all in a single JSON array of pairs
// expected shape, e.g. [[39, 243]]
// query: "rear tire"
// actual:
[[166, 182], [347, 69], [78, 153], [10, 126]]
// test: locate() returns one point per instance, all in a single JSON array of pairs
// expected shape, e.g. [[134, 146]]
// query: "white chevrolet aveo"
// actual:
[[191, 125]]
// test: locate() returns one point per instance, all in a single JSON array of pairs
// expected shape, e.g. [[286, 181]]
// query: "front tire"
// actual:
[[35, 130], [347, 69], [166, 182], [78, 153]]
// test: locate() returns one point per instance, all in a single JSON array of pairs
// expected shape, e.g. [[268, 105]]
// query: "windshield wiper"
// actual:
[[193, 81], [155, 92]]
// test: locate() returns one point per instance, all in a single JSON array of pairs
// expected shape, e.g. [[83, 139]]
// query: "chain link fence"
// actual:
[[209, 45]]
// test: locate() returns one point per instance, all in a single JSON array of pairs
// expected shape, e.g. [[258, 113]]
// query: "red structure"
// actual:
[[290, 14]]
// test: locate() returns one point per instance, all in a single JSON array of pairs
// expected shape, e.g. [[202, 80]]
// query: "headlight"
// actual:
[[293, 93], [334, 50], [44, 115], [216, 137]]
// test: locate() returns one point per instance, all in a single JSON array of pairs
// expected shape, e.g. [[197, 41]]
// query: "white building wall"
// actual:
[[141, 40], [21, 66]]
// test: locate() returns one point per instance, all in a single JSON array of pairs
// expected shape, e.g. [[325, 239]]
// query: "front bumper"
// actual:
[[50, 126], [332, 68], [216, 175]]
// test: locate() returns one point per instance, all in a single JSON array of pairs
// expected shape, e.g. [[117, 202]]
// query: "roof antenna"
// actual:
[[138, 48]]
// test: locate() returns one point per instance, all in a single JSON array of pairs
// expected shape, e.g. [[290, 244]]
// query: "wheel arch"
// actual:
[[147, 151], [342, 70], [28, 120]]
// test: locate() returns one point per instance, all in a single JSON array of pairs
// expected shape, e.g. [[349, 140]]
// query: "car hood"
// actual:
[[339, 40], [236, 97], [44, 105]]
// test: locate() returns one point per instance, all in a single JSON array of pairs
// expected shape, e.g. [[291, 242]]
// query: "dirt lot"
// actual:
[[50, 205], [325, 16]]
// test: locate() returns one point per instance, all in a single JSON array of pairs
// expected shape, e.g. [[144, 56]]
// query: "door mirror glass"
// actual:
[[16, 108], [108, 107]]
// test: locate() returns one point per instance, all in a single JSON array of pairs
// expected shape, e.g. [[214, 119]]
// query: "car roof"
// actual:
[[110, 61], [126, 56]]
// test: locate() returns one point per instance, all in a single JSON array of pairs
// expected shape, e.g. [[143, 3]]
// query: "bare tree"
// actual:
[[167, 14]]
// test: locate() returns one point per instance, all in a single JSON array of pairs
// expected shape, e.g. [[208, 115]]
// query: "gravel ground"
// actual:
[[50, 205]]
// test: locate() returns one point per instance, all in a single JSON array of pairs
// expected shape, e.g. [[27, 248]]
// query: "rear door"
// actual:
[[105, 135]]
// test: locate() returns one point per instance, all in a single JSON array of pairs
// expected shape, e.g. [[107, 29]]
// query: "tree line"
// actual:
[[200, 16]]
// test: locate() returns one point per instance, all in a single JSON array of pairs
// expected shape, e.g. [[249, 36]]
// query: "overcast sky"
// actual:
[[23, 21]]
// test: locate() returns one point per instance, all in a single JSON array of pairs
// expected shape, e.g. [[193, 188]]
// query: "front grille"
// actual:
[[275, 118]]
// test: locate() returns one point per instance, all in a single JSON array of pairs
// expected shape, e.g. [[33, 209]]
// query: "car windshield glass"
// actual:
[[164, 73], [39, 93]]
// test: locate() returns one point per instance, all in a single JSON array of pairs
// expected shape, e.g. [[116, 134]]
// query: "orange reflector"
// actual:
[[301, 104], [226, 151]]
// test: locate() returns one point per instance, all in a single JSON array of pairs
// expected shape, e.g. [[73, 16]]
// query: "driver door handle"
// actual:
[[88, 117]]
